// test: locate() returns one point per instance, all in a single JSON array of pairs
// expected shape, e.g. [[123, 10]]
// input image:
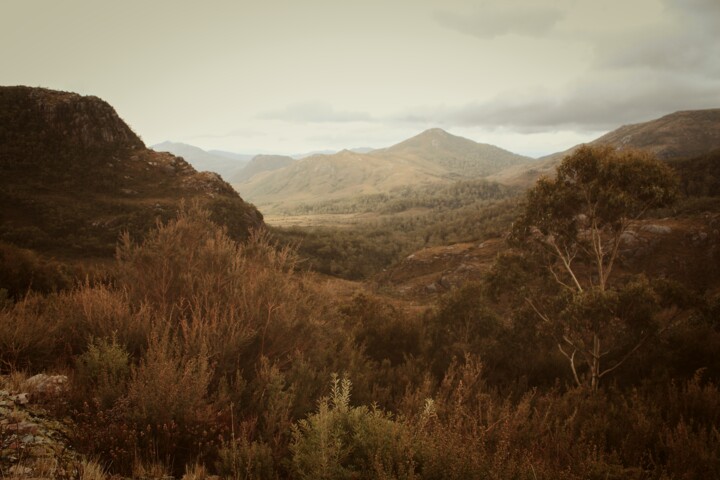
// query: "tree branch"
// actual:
[[567, 264], [571, 358]]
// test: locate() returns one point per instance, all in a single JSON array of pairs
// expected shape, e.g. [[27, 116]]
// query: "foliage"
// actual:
[[103, 371], [366, 248], [22, 270], [575, 223], [438, 196], [343, 442], [209, 353]]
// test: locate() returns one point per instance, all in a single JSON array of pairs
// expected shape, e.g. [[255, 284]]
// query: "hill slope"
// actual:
[[460, 157], [679, 135], [261, 163], [434, 156], [73, 176], [223, 163]]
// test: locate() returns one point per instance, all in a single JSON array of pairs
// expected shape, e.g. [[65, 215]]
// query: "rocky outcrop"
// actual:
[[74, 176], [48, 117], [33, 444]]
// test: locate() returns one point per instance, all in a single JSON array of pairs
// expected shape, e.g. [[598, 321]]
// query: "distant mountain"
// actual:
[[299, 156], [73, 176], [261, 163], [459, 156], [679, 135], [241, 157], [362, 149], [226, 164], [431, 157]]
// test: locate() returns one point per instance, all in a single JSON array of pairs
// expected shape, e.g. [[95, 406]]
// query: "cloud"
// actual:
[[635, 73], [493, 20], [594, 106], [686, 44], [315, 112]]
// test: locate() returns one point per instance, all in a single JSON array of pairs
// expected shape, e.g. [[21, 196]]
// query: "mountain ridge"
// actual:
[[679, 135], [430, 157]]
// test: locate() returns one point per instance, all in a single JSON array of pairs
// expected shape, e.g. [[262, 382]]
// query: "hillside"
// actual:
[[225, 164], [679, 135], [73, 176], [261, 163], [460, 157], [434, 156]]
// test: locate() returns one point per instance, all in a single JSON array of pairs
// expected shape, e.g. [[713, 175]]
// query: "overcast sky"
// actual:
[[532, 76]]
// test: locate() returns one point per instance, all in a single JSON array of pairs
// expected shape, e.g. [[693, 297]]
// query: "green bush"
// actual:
[[103, 371], [343, 442]]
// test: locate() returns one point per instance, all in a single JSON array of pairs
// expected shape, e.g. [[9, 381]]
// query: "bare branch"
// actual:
[[567, 264], [557, 279], [571, 358]]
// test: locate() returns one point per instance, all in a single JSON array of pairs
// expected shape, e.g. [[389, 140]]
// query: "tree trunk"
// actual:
[[595, 367]]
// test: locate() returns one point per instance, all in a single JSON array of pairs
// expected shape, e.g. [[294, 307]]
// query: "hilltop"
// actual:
[[73, 176], [460, 157], [433, 156], [679, 135]]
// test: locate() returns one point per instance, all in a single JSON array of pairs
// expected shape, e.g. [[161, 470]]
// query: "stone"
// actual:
[[629, 238], [47, 384], [657, 229], [20, 398]]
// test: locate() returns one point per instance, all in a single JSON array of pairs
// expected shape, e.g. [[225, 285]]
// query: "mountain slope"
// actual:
[[679, 135], [459, 156], [73, 176], [223, 163], [434, 156], [261, 163]]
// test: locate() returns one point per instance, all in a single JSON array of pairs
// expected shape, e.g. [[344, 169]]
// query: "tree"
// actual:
[[574, 226]]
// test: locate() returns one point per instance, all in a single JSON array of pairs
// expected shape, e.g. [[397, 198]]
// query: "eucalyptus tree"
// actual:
[[574, 225]]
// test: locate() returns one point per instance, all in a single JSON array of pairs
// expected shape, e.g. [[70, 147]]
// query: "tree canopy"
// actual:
[[574, 225]]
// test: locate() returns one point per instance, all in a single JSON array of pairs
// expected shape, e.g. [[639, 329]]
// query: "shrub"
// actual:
[[103, 371], [340, 441]]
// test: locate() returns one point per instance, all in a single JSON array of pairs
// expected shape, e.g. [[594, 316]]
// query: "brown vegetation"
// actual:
[[212, 356]]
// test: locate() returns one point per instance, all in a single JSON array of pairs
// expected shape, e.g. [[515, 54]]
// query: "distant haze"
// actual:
[[531, 76]]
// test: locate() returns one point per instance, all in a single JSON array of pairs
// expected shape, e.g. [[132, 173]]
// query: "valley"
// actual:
[[430, 306]]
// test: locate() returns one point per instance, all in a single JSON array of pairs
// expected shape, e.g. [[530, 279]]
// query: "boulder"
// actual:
[[47, 385]]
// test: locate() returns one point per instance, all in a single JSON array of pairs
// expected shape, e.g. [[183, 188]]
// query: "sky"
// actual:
[[270, 76]]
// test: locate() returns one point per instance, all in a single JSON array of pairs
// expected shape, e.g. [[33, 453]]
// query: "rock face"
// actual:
[[73, 176], [34, 121]]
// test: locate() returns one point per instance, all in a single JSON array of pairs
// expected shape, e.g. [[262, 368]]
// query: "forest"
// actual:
[[195, 354]]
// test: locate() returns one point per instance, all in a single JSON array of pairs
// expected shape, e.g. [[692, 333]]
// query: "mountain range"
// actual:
[[74, 175], [434, 156]]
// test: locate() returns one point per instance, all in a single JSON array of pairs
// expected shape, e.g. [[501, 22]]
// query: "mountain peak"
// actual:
[[436, 132]]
